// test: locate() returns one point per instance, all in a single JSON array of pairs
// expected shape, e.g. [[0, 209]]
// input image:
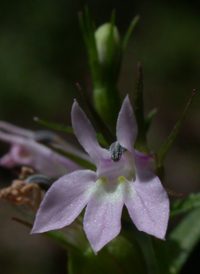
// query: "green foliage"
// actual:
[[148, 120], [183, 239], [184, 205], [174, 133], [66, 129], [119, 256], [105, 53], [129, 32]]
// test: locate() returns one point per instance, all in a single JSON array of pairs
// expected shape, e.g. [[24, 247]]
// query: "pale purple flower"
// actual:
[[25, 151], [129, 181]]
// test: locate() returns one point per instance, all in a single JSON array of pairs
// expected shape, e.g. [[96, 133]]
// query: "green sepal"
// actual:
[[129, 32], [174, 133], [125, 41], [88, 30]]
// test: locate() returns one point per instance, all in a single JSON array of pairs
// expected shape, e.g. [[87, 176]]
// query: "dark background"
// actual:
[[42, 56]]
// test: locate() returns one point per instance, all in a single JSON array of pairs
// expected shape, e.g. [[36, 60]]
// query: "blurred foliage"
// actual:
[[42, 56]]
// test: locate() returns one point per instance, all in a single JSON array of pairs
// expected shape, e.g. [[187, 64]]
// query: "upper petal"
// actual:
[[86, 135], [149, 205], [64, 201], [126, 125], [145, 165], [102, 220]]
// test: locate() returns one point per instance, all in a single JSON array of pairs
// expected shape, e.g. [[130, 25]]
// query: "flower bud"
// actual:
[[108, 44]]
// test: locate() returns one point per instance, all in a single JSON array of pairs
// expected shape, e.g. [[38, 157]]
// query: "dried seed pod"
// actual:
[[25, 172]]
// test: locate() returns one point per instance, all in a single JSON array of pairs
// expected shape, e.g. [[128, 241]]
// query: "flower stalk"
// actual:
[[105, 52]]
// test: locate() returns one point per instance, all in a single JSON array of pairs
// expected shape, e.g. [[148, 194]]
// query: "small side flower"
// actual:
[[25, 151]]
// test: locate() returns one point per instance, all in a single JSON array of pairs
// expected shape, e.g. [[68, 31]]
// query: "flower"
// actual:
[[130, 181], [25, 151]]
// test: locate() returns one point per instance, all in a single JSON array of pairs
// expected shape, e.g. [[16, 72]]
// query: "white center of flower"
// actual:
[[104, 191]]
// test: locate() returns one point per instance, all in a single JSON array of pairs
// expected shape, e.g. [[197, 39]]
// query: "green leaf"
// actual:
[[161, 249], [120, 256], [111, 43], [80, 161], [145, 242], [184, 205], [127, 252], [129, 31], [174, 133], [88, 29], [83, 29], [67, 129], [183, 239], [54, 126], [54, 235], [59, 239], [148, 120], [91, 48], [125, 41]]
